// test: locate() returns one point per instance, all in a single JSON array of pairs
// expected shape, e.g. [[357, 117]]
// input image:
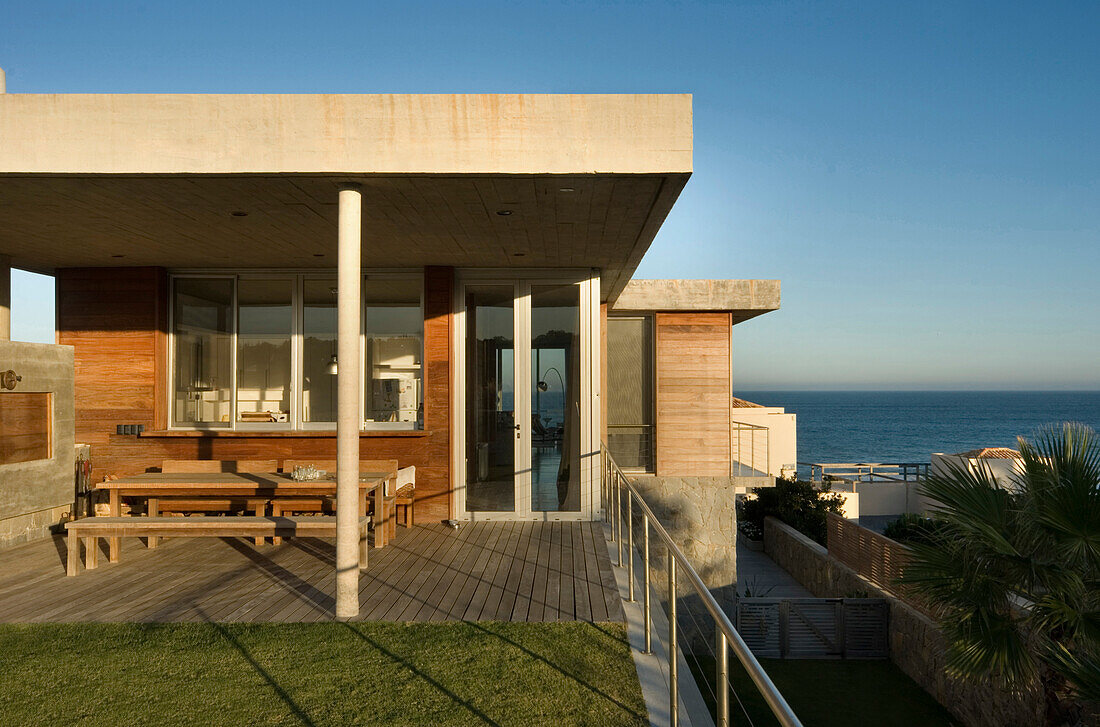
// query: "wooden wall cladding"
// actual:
[[116, 319], [693, 394], [25, 434]]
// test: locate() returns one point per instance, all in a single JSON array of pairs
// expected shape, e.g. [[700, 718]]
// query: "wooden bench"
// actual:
[[158, 506], [91, 529], [282, 505]]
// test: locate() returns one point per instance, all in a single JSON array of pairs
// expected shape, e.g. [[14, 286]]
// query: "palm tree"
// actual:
[[1015, 571]]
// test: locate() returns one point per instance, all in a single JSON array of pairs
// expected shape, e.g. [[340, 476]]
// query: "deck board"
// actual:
[[506, 571]]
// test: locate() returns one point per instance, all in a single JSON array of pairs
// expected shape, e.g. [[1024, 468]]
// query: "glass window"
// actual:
[[556, 398], [490, 399], [265, 327], [203, 317], [630, 393], [282, 336], [394, 329], [319, 350]]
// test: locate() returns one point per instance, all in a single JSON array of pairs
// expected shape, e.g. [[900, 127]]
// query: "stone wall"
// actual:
[[917, 645], [699, 513], [36, 495], [700, 516]]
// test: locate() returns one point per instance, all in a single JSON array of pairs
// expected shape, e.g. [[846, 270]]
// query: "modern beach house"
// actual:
[[441, 280]]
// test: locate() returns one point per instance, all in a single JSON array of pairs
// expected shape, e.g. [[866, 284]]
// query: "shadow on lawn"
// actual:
[[539, 657], [287, 699], [412, 667]]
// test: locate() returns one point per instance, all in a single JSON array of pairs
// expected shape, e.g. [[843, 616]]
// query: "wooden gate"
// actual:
[[814, 628]]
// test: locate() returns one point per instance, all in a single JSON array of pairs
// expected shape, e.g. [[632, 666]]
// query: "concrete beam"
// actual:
[[745, 297]]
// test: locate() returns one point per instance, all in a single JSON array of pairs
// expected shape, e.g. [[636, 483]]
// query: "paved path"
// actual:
[[763, 577]]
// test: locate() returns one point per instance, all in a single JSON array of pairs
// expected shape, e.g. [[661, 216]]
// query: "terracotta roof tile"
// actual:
[[990, 453], [742, 404]]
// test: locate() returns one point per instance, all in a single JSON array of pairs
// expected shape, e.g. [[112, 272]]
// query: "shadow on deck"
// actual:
[[517, 571]]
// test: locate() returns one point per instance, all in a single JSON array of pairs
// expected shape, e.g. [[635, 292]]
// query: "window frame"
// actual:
[[294, 423]]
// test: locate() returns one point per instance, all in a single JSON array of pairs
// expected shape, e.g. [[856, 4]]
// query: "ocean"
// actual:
[[908, 426]]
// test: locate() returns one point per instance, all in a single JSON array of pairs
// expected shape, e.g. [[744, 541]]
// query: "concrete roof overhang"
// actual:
[[743, 299], [584, 180]]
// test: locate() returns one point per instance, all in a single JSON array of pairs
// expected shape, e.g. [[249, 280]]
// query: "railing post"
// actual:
[[673, 687], [613, 484], [619, 514], [603, 483], [721, 678], [630, 542], [645, 585]]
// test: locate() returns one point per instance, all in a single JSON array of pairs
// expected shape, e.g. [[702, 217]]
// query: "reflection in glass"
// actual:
[[395, 341], [555, 397], [203, 338], [264, 326], [319, 350], [630, 399], [490, 399]]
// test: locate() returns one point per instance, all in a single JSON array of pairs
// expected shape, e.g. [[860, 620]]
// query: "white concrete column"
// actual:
[[5, 298], [348, 307]]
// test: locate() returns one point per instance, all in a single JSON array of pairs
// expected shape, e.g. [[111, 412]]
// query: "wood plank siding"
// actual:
[[693, 394], [117, 321]]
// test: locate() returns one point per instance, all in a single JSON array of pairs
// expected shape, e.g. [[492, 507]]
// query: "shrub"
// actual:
[[914, 528], [795, 502]]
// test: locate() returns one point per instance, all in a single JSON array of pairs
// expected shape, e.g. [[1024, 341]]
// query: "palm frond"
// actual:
[[1082, 671]]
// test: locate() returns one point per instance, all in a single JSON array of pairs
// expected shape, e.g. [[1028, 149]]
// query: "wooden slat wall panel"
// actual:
[[877, 558], [116, 319], [693, 394], [24, 426]]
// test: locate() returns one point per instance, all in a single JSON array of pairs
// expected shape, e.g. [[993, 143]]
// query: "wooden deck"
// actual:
[[522, 571]]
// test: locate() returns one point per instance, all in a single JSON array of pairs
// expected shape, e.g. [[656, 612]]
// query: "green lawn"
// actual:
[[833, 693], [318, 674]]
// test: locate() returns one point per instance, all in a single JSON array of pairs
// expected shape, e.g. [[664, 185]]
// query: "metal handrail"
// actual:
[[738, 427], [614, 481], [865, 472]]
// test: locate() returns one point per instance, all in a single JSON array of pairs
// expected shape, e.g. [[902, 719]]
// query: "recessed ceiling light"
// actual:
[[504, 213], [239, 213], [566, 189]]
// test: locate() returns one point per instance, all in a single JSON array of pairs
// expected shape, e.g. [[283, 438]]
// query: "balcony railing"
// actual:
[[621, 500], [867, 471], [749, 450]]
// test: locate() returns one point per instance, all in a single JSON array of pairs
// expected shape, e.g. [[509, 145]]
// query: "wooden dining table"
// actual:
[[152, 486]]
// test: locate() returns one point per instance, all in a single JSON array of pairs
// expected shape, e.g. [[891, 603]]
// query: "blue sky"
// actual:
[[923, 177]]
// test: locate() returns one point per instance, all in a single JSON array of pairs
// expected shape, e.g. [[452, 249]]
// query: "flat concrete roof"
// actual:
[[510, 180], [743, 298], [345, 134]]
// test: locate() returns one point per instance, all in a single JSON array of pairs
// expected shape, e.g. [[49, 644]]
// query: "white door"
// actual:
[[526, 398]]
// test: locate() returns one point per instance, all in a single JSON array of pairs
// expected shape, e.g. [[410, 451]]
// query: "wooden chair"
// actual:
[[219, 465], [404, 497], [386, 527]]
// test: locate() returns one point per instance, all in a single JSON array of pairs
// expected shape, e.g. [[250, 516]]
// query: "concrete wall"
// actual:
[[1005, 470], [782, 435], [875, 499], [917, 646], [36, 495]]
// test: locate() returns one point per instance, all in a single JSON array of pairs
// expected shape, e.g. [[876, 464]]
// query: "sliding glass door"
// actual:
[[524, 398]]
